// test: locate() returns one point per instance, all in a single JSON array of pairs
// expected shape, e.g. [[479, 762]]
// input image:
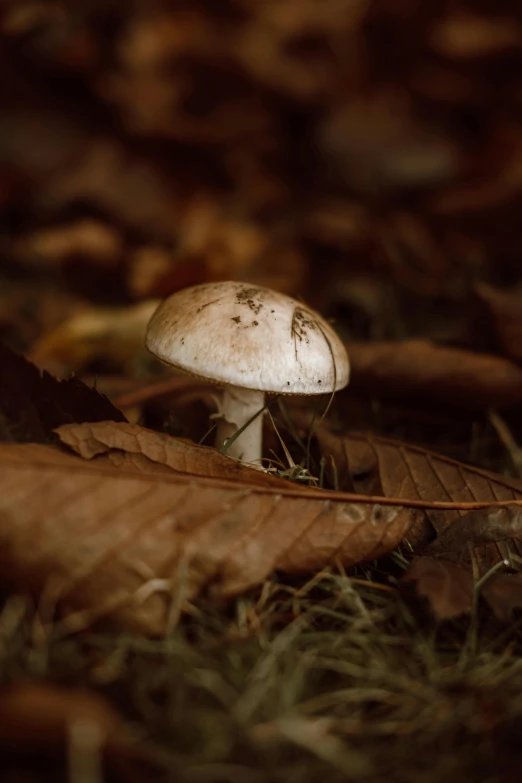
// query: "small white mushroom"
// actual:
[[251, 340]]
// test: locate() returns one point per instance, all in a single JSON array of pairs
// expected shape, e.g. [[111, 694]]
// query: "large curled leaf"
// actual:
[[137, 546]]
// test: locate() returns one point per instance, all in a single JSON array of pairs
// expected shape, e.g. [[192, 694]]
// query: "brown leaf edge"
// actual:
[[33, 403]]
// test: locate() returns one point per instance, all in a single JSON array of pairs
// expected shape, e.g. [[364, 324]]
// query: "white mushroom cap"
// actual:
[[248, 336]]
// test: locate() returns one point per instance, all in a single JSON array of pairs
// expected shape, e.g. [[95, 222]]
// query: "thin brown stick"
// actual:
[[158, 389]]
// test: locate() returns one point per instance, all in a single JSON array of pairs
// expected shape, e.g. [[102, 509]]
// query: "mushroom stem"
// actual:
[[238, 405]]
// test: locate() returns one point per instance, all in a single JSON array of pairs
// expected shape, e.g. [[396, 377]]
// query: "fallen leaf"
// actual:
[[98, 541], [368, 464], [500, 318], [127, 186], [447, 586], [466, 36], [475, 539], [33, 403], [122, 443], [157, 272], [89, 239], [379, 145], [483, 537], [114, 333], [47, 725], [38, 717], [427, 371], [478, 527], [503, 592]]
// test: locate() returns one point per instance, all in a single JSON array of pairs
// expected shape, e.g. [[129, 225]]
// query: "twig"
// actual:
[[158, 389]]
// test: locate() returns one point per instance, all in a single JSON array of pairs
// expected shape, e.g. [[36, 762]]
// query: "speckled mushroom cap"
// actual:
[[248, 336]]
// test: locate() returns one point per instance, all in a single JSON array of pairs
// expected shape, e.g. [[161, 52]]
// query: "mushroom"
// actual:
[[251, 340]]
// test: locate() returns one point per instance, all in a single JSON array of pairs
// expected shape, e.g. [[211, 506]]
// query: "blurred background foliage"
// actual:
[[365, 156]]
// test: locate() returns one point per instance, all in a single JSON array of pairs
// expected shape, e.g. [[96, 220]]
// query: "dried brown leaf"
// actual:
[[33, 403], [37, 716], [99, 541], [466, 541], [112, 333], [120, 183], [501, 318], [378, 144], [503, 593], [379, 466], [478, 527], [484, 537], [424, 370], [88, 239], [447, 586], [467, 36], [45, 724], [121, 443]]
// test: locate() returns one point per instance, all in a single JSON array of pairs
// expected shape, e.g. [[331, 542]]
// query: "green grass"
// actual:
[[338, 678]]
